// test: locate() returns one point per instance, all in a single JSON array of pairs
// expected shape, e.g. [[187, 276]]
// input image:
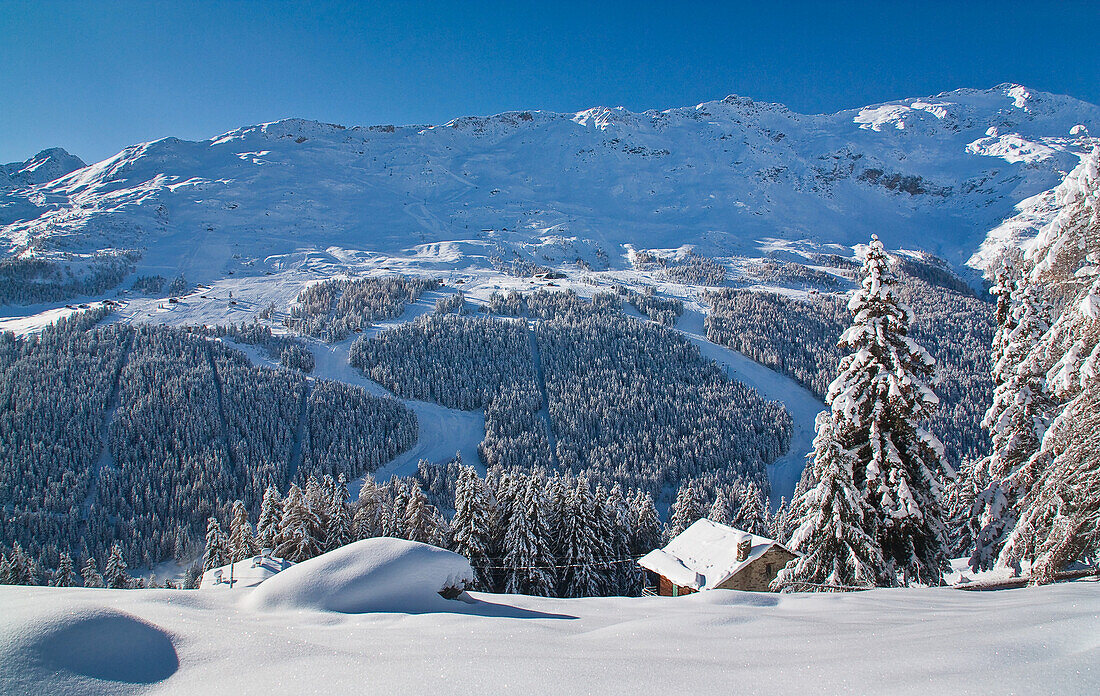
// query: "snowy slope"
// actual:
[[906, 641], [932, 173]]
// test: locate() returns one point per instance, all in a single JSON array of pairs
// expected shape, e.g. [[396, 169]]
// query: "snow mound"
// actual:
[[372, 575], [86, 651]]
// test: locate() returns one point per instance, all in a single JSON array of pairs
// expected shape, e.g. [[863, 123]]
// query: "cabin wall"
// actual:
[[758, 575]]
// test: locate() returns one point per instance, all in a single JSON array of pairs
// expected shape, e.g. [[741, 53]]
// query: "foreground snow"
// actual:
[[1034, 640]]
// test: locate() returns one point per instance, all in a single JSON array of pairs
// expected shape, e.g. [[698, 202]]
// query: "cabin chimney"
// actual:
[[744, 547]]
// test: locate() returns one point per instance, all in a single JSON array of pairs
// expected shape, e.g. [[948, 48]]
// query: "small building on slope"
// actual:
[[247, 573], [709, 556]]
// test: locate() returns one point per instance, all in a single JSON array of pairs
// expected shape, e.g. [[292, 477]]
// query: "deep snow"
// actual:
[[904, 641]]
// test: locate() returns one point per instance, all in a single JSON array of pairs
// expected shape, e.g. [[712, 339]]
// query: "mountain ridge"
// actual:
[[724, 176]]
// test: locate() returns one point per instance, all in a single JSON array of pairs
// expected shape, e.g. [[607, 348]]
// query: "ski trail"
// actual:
[[540, 380], [441, 431], [105, 458], [300, 432], [803, 406]]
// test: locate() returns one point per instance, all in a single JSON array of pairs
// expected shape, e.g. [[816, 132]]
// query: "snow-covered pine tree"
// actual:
[[114, 576], [472, 528], [627, 575], [527, 555], [340, 530], [1016, 420], [242, 543], [395, 521], [5, 570], [579, 576], [721, 510], [217, 552], [690, 505], [90, 574], [22, 570], [648, 532], [878, 400], [370, 511], [65, 575], [835, 531], [267, 527], [317, 494], [422, 521], [297, 538], [752, 514], [1059, 516]]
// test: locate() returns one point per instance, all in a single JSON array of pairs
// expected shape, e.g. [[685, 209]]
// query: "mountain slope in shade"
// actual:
[[726, 176]]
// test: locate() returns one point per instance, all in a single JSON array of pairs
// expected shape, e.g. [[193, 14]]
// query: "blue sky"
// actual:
[[94, 77]]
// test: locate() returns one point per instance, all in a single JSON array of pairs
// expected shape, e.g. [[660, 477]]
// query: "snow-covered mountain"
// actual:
[[932, 173]]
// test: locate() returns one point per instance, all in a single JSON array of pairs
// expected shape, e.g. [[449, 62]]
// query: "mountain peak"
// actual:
[[47, 165]]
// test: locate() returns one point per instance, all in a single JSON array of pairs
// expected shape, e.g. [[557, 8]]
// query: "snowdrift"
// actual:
[[372, 575], [85, 651]]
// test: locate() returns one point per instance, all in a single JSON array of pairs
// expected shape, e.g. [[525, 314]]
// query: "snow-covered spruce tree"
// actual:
[[422, 521], [114, 576], [878, 400], [835, 532], [752, 513], [22, 570], [579, 545], [297, 538], [528, 558], [90, 574], [1016, 420], [472, 528], [242, 543], [217, 552], [65, 575], [720, 509], [370, 511], [690, 506], [1059, 518], [267, 527], [645, 524], [340, 527]]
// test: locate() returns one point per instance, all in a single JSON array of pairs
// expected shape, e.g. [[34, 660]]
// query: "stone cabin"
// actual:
[[711, 556]]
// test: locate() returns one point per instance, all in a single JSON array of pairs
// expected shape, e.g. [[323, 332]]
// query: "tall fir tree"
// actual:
[[114, 575], [297, 539], [579, 575], [422, 521], [1016, 420], [65, 575], [879, 398], [242, 542], [752, 513], [528, 557], [90, 574], [370, 511], [1059, 505], [267, 527], [835, 532], [340, 528], [217, 552], [647, 530], [690, 505], [721, 510], [472, 526]]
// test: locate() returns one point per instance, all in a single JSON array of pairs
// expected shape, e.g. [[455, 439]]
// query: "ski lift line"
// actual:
[[632, 559]]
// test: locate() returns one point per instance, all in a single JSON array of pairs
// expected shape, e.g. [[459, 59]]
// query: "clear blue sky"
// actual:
[[94, 77]]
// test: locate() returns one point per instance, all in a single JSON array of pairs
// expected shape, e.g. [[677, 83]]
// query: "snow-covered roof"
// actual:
[[704, 555], [247, 573]]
